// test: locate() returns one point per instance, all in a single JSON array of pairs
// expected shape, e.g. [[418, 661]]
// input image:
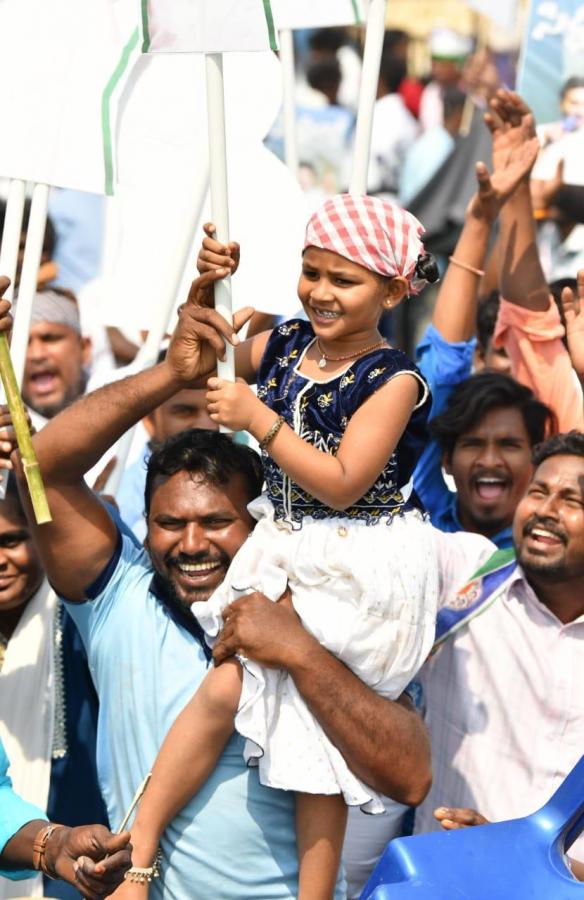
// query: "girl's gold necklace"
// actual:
[[324, 358]]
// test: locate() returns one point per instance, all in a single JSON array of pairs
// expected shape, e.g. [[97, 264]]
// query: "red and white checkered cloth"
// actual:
[[374, 233]]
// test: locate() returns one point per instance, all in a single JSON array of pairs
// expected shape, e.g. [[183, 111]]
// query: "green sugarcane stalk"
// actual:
[[19, 421]]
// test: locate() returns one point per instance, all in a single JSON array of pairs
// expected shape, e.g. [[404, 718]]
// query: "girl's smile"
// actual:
[[343, 300]]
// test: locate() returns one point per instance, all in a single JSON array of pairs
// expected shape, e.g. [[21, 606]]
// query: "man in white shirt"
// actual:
[[504, 705]]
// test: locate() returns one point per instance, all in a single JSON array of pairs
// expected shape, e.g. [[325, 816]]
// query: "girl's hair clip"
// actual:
[[427, 268]]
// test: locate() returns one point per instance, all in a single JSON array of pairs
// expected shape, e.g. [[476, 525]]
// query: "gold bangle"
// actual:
[[462, 265], [271, 432]]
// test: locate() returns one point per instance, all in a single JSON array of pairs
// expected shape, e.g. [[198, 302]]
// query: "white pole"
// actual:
[[9, 263], [219, 199], [148, 353], [368, 93], [28, 280], [289, 107]]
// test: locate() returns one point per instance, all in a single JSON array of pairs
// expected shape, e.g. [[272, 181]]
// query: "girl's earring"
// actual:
[[388, 304]]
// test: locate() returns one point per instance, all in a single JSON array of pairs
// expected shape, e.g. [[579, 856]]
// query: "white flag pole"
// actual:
[[286, 42], [9, 263], [219, 198], [368, 93], [28, 280], [148, 353]]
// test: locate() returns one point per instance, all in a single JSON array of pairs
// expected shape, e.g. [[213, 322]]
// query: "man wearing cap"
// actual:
[[449, 51], [57, 358]]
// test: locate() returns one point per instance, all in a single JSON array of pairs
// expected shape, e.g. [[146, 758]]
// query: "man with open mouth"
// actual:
[[485, 435], [504, 704]]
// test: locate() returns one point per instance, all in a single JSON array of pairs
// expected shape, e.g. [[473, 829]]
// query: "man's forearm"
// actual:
[[76, 439], [17, 853], [384, 742], [521, 278]]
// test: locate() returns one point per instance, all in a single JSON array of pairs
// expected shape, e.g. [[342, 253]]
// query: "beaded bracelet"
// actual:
[[143, 875]]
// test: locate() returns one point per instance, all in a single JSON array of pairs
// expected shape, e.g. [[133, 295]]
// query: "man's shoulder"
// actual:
[[460, 554]]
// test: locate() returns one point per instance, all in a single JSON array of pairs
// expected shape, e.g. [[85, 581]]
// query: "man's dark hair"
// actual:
[[576, 81], [324, 75], [393, 37], [570, 443], [476, 396], [214, 456], [487, 312], [328, 40], [392, 72]]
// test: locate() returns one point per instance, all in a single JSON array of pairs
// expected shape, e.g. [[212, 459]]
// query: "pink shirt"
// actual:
[[505, 706], [540, 361]]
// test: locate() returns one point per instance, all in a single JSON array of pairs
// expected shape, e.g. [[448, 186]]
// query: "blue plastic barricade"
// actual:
[[519, 859]]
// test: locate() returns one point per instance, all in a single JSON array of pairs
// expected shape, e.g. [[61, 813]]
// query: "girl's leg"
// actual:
[[320, 830], [187, 757]]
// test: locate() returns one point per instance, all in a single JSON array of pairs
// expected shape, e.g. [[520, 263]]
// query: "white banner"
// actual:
[[318, 13], [207, 26], [63, 65], [162, 149], [503, 13]]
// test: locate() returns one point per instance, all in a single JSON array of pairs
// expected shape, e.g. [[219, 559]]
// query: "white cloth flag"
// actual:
[[318, 13], [502, 12], [84, 109], [207, 26], [161, 149], [62, 67]]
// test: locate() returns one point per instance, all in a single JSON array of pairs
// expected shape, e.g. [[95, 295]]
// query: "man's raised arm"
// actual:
[[80, 541]]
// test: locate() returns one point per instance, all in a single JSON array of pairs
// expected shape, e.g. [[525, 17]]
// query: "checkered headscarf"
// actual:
[[374, 233]]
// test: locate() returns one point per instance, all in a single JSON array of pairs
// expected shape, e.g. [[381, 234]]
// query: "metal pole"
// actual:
[[369, 80]]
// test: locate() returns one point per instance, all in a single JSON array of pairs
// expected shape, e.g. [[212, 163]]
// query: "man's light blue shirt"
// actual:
[[14, 814], [444, 365], [235, 838]]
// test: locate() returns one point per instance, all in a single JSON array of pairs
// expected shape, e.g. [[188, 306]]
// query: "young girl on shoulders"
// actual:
[[340, 417]]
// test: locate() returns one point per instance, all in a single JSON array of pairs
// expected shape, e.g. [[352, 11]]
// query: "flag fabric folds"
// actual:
[[207, 26]]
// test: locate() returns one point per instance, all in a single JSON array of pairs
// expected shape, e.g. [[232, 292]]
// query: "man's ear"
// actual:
[[146, 542], [447, 462], [86, 351], [149, 424]]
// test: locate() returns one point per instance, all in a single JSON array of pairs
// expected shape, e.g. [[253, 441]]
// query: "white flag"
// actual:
[[62, 68], [207, 26], [318, 13], [161, 152], [502, 12]]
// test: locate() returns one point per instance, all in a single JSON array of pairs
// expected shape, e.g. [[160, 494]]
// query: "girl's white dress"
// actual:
[[364, 581]]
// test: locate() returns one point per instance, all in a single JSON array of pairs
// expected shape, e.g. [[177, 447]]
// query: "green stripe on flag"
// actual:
[[145, 27], [106, 130], [356, 13], [270, 24]]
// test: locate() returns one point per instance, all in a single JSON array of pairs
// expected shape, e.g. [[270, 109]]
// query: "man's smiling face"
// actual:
[[195, 528], [548, 529]]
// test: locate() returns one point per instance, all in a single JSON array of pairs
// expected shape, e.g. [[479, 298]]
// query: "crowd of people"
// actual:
[[371, 627]]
